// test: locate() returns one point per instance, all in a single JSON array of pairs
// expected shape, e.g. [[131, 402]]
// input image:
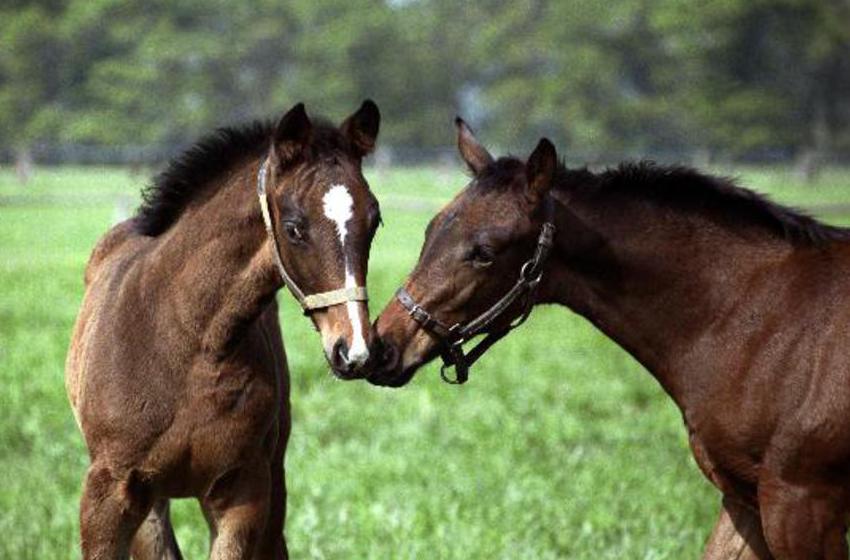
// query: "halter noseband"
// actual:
[[452, 338], [308, 302]]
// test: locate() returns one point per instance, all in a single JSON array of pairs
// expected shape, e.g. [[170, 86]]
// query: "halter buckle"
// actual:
[[419, 315], [547, 235]]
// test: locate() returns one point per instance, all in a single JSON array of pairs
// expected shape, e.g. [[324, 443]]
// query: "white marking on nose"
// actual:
[[339, 206]]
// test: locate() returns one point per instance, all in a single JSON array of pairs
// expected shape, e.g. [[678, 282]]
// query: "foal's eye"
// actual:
[[293, 232], [481, 257]]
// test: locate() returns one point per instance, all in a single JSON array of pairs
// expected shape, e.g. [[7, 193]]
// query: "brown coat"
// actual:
[[176, 372], [736, 305]]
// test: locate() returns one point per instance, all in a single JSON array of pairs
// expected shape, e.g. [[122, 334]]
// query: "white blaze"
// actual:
[[338, 207]]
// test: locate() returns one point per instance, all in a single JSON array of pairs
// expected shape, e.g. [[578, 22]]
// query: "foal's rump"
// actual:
[[100, 272], [107, 245]]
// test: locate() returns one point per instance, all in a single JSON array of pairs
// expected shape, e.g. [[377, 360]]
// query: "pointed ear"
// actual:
[[473, 153], [540, 168], [361, 128], [292, 135]]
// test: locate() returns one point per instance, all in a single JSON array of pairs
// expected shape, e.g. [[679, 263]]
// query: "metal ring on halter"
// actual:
[[529, 277], [308, 302], [456, 359]]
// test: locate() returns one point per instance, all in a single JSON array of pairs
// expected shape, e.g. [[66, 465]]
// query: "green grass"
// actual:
[[575, 453]]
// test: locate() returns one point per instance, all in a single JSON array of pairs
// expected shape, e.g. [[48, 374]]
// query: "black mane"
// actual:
[[189, 173], [689, 190], [186, 174]]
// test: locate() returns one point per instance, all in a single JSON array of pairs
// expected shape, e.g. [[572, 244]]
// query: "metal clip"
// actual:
[[454, 357], [527, 272]]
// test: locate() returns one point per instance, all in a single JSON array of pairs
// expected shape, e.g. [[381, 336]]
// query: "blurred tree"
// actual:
[[762, 75], [33, 75], [735, 78], [175, 69]]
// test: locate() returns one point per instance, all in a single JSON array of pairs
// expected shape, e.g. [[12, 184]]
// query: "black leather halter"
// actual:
[[452, 338]]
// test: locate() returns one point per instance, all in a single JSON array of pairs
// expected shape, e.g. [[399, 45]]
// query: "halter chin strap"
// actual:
[[308, 302], [452, 338]]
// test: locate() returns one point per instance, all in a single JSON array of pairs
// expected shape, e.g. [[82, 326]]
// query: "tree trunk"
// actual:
[[811, 158], [23, 164]]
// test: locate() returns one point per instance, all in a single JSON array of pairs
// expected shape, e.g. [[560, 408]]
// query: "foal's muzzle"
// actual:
[[342, 365], [386, 368], [345, 341]]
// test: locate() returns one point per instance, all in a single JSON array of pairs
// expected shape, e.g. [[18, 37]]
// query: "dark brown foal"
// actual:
[[739, 307], [176, 372]]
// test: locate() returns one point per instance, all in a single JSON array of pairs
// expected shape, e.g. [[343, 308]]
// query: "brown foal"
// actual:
[[737, 306], [176, 371]]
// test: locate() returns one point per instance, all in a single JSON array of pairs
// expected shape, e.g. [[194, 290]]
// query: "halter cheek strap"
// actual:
[[308, 302]]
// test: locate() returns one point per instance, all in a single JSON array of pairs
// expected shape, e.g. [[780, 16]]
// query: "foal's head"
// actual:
[[472, 255], [324, 217]]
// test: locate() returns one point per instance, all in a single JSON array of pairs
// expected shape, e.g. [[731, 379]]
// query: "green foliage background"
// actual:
[[726, 77]]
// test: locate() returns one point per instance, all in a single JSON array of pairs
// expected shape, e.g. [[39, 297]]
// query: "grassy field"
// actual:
[[569, 454]]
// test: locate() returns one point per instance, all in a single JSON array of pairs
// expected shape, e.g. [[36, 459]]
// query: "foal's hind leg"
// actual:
[[155, 539], [737, 535], [112, 508], [803, 521]]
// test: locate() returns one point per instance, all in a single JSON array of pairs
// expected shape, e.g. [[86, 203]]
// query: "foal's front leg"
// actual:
[[272, 545], [237, 508], [737, 535]]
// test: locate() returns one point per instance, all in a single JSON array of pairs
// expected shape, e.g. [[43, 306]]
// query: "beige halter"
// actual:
[[313, 301]]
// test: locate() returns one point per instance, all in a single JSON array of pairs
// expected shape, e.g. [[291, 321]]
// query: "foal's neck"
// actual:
[[664, 287], [220, 263]]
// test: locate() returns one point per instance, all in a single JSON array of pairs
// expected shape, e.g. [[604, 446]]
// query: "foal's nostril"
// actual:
[[386, 367], [389, 355], [340, 355]]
